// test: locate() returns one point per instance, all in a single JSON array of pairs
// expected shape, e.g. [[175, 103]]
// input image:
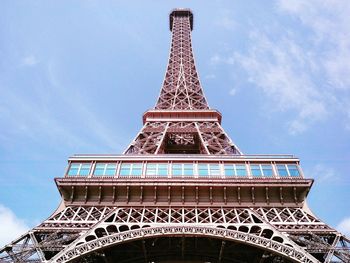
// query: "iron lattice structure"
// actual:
[[182, 191]]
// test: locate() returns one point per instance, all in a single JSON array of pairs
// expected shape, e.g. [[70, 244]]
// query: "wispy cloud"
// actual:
[[217, 59], [30, 60], [50, 111], [322, 173], [344, 226], [28, 117], [11, 226], [307, 74], [233, 92], [279, 69], [328, 22], [225, 21], [210, 76], [87, 117]]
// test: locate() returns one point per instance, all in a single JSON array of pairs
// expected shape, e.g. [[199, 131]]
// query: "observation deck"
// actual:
[[184, 12], [184, 180]]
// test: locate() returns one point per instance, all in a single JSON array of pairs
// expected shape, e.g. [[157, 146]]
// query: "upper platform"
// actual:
[[182, 115], [185, 166], [184, 180], [180, 12]]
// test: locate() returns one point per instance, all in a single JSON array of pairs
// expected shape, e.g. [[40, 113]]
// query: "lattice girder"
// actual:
[[181, 87], [130, 224], [38, 245], [161, 137]]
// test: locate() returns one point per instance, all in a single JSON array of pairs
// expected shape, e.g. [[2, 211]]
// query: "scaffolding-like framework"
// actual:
[[144, 206]]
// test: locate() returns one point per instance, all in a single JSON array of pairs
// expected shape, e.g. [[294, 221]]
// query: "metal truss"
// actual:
[[292, 253], [327, 247], [182, 90], [202, 137], [316, 237], [181, 87], [38, 245], [75, 217], [292, 219], [131, 224], [47, 239], [89, 227]]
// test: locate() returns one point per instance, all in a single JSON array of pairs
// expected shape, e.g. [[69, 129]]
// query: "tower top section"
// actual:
[[181, 88], [180, 12], [182, 121]]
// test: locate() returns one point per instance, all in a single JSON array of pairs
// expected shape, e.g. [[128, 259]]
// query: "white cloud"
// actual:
[[329, 22], [233, 92], [322, 173], [344, 226], [88, 118], [279, 69], [215, 59], [210, 76], [29, 61], [302, 66], [225, 21], [296, 127], [36, 116], [11, 226]]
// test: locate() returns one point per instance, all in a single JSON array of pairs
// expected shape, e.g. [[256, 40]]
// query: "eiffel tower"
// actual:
[[181, 192]]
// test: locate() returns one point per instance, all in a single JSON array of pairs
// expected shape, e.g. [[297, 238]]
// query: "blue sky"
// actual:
[[76, 76]]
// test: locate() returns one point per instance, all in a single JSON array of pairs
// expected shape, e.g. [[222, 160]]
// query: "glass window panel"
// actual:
[[151, 169], [176, 169], [255, 169], [241, 170], [163, 169], [214, 169], [74, 168], [85, 169], [293, 170], [136, 169], [125, 169], [229, 170], [267, 170], [188, 169], [111, 169], [282, 171], [99, 169], [203, 170]]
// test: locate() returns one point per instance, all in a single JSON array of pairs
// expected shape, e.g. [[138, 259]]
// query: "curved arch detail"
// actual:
[[79, 250]]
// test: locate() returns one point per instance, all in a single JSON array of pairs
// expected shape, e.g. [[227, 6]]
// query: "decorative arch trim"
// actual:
[[288, 252]]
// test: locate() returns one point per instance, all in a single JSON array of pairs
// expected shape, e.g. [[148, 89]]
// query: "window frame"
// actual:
[[157, 168], [131, 169], [80, 166], [105, 169], [183, 170]]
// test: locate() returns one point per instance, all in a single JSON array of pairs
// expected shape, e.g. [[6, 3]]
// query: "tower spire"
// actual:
[[182, 122], [181, 88]]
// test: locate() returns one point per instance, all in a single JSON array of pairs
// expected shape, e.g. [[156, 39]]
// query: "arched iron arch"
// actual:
[[291, 253]]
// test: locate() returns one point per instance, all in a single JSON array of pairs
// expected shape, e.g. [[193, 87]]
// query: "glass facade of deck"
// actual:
[[177, 169]]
